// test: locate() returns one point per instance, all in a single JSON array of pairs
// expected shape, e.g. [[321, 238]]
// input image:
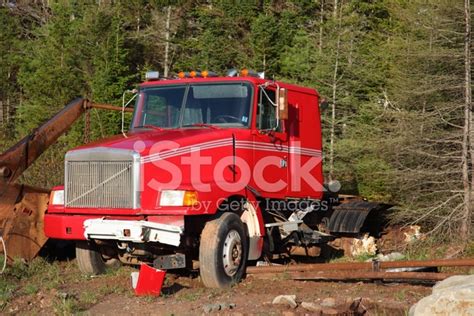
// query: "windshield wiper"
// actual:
[[201, 125], [150, 126]]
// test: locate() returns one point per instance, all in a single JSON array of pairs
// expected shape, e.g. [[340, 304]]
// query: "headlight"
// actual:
[[57, 197], [178, 198]]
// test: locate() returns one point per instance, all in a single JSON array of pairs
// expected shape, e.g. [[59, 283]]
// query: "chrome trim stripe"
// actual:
[[224, 143], [181, 150]]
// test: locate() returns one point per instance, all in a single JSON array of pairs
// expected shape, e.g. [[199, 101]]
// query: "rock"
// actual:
[[209, 308], [288, 313], [329, 311], [412, 233], [328, 302], [396, 238], [353, 247], [225, 306], [454, 281], [453, 296], [356, 307], [364, 246], [288, 300], [393, 256], [312, 307], [63, 295]]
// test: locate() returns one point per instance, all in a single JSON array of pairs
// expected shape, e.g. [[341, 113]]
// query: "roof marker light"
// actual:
[[207, 73], [195, 74], [152, 75], [247, 72], [182, 75]]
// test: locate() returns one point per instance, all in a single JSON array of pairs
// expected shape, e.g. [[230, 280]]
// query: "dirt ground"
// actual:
[[59, 288]]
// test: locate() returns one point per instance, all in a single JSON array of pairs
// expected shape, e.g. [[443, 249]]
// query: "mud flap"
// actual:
[[350, 217], [148, 281], [22, 211]]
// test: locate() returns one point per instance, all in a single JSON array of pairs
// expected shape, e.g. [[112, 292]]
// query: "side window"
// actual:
[[163, 106], [154, 110], [266, 110]]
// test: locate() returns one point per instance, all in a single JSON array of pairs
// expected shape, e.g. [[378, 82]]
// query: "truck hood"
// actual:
[[147, 142]]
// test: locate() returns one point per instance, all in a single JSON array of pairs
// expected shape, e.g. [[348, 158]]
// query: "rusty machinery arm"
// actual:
[[22, 207], [18, 158]]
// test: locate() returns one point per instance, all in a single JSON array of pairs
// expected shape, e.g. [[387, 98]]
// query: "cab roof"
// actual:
[[253, 80]]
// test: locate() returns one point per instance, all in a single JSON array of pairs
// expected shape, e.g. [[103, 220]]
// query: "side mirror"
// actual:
[[282, 104], [323, 104]]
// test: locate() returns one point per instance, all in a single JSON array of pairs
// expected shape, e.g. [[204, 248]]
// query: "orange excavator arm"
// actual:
[[22, 207]]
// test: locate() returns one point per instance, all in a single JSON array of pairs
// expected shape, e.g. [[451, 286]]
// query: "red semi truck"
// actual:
[[217, 171]]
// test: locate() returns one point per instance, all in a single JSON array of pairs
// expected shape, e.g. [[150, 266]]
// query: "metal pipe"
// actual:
[[361, 275], [105, 106], [363, 265]]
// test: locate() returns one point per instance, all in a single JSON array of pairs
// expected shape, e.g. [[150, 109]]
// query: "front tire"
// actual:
[[223, 251], [90, 260]]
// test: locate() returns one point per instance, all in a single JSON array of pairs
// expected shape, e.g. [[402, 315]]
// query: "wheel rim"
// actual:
[[232, 253]]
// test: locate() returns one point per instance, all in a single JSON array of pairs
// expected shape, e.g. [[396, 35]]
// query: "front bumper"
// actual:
[[161, 229], [133, 231]]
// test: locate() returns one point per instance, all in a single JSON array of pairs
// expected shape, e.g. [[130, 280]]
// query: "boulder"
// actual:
[[453, 296], [288, 300]]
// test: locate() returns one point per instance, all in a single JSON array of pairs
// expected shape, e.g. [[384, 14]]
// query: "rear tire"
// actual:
[[90, 260], [223, 251]]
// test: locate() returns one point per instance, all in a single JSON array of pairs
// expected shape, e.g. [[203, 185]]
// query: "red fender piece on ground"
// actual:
[[149, 281]]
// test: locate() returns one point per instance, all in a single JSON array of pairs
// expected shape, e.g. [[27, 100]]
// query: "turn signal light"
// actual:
[[190, 198], [178, 198]]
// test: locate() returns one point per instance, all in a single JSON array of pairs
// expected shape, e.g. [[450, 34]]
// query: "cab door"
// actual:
[[270, 144]]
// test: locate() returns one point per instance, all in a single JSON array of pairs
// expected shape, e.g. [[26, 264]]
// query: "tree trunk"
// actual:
[[167, 42], [468, 133], [1, 113], [321, 29], [333, 115], [333, 105]]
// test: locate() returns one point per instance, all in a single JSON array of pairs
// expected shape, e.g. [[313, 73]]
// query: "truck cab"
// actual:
[[213, 172]]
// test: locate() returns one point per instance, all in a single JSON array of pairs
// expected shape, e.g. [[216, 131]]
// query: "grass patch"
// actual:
[[66, 306], [60, 282], [88, 298], [191, 296], [401, 295], [30, 289], [7, 290], [33, 276], [468, 251], [364, 257]]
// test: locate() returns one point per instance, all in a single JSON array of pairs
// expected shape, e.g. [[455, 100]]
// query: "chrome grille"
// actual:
[[92, 183]]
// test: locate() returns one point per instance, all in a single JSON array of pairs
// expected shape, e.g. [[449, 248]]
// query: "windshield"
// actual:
[[191, 105]]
